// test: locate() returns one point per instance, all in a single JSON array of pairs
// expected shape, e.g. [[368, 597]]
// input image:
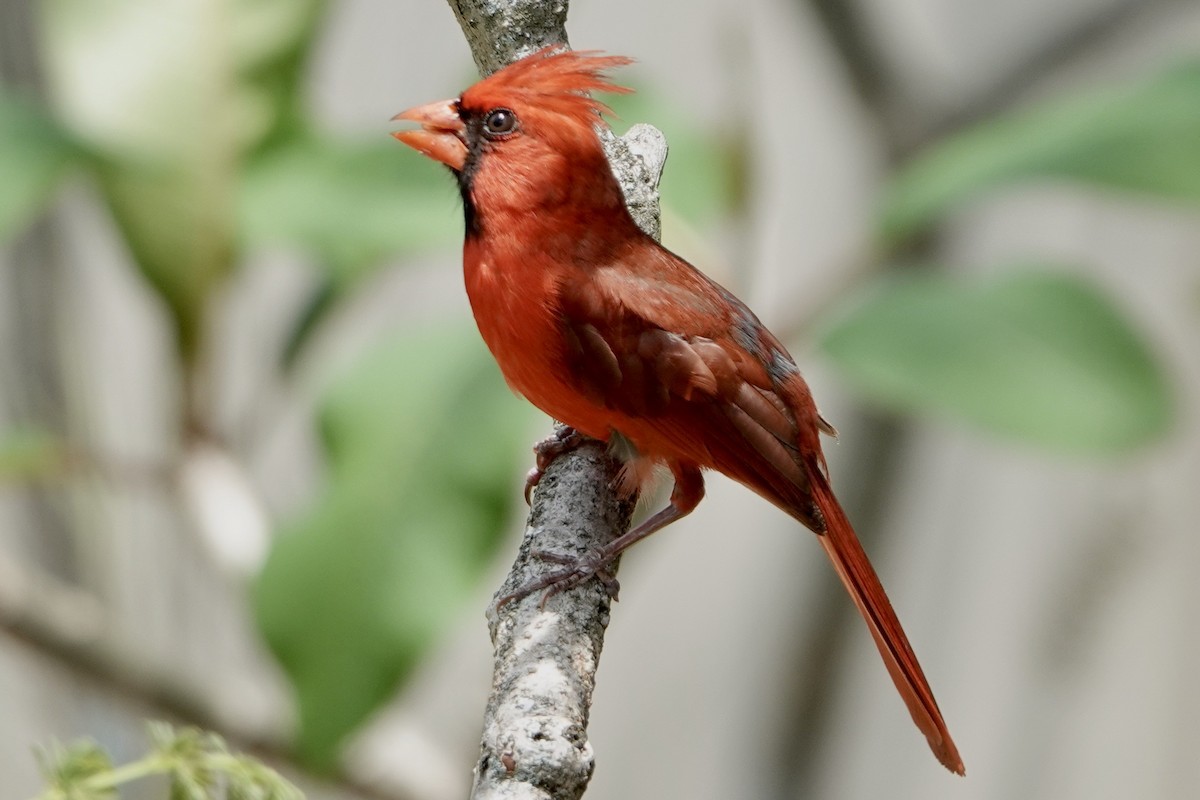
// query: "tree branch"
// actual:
[[534, 741], [500, 32]]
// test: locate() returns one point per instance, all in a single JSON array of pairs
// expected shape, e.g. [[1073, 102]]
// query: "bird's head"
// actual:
[[524, 136]]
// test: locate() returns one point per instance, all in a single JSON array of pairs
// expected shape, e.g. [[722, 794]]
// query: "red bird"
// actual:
[[605, 330]]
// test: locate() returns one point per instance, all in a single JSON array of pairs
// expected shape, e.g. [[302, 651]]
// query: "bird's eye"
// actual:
[[499, 122]]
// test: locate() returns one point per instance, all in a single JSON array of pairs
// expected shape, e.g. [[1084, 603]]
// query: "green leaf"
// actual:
[[1144, 139], [1035, 355], [71, 771], [159, 106], [34, 152], [424, 441], [272, 40], [351, 204], [174, 96]]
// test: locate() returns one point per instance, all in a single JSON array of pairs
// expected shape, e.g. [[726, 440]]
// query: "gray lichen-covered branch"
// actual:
[[535, 742]]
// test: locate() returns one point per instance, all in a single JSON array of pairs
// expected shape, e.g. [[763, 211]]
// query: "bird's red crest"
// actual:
[[555, 80]]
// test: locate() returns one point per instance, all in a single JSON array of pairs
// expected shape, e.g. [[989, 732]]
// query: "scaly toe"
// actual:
[[577, 569]]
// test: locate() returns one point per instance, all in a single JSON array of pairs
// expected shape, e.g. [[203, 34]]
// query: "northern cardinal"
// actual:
[[605, 330]]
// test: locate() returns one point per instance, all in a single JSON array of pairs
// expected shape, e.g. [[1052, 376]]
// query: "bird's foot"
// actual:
[[563, 440], [576, 570]]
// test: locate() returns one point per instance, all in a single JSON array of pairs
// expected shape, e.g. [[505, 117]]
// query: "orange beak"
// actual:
[[442, 133]]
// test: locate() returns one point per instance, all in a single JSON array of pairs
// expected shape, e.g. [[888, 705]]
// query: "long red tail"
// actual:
[[844, 550]]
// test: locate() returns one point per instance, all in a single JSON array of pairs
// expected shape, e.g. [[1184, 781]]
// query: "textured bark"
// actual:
[[501, 31], [535, 741]]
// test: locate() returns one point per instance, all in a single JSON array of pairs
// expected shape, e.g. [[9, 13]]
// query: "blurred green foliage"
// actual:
[[1141, 138], [351, 205], [424, 444], [196, 766], [169, 121], [34, 151], [1040, 357], [1034, 354]]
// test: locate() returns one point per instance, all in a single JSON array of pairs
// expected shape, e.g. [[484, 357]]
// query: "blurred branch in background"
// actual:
[[1053, 53], [860, 52]]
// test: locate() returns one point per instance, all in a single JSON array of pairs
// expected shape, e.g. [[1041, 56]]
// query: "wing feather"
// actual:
[[655, 344]]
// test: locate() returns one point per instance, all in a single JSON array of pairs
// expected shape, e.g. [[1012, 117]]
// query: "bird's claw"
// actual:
[[564, 439], [577, 569], [532, 478]]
